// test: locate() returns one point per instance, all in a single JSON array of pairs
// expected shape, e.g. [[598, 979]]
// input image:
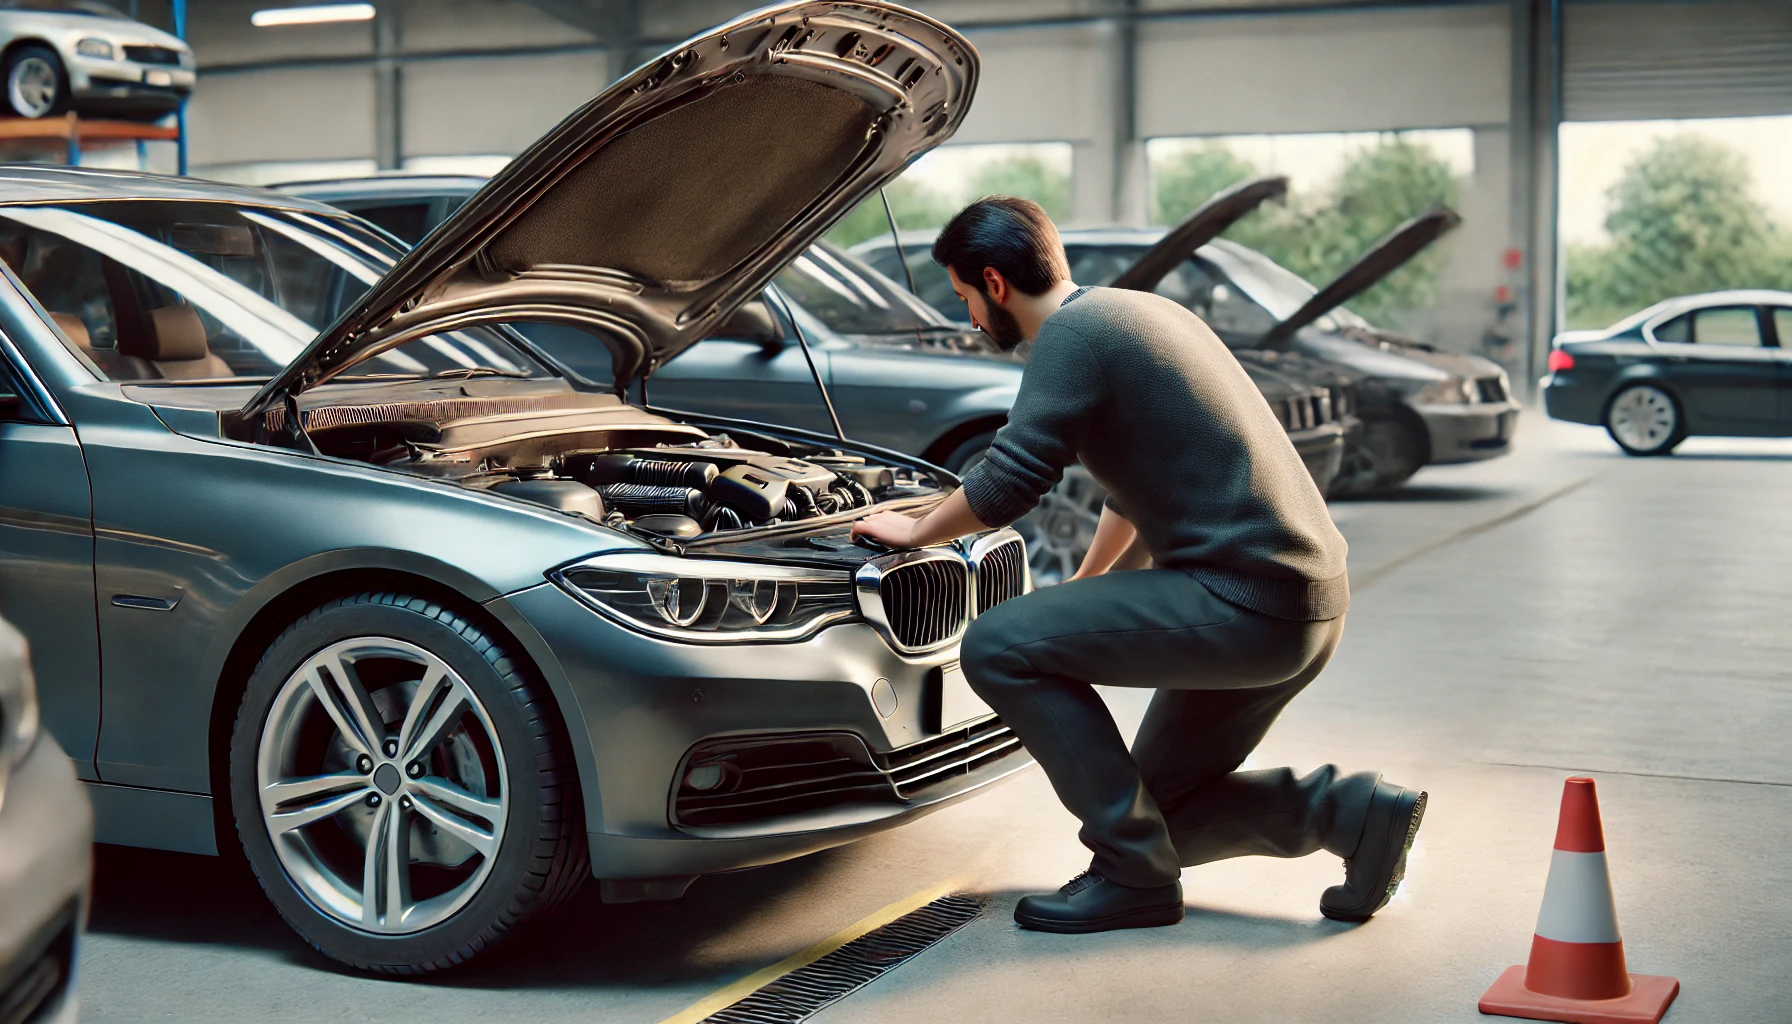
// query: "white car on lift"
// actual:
[[46, 853], [89, 56]]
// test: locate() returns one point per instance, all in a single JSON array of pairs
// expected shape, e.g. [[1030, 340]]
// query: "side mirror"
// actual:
[[753, 323]]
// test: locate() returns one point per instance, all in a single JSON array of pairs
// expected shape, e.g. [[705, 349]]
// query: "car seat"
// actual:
[[173, 341], [110, 362]]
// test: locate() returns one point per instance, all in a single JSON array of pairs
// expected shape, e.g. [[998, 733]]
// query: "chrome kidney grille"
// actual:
[[923, 600], [1001, 571]]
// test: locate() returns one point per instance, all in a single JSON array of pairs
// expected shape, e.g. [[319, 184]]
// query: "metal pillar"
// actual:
[[1542, 169], [388, 88], [180, 116]]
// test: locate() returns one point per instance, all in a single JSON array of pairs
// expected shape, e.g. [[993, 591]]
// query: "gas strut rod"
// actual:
[[809, 357], [896, 237]]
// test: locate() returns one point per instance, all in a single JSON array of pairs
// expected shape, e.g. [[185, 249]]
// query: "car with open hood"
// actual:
[[901, 374], [322, 557], [1419, 405]]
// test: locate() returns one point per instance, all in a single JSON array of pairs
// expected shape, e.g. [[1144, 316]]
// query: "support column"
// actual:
[[1130, 204], [1536, 116], [388, 96]]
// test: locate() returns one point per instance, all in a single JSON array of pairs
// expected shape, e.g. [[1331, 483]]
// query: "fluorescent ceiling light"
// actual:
[[315, 14]]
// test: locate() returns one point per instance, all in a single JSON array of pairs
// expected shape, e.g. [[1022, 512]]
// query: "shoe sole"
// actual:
[[1415, 815], [1148, 917]]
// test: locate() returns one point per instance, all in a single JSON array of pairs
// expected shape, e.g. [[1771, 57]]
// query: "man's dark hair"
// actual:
[[1010, 234]]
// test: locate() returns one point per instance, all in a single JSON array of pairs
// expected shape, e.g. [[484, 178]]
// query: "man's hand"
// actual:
[[891, 529]]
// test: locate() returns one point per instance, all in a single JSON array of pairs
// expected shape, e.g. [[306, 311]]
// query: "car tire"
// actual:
[[1390, 452], [457, 718], [36, 82], [969, 452], [1645, 420]]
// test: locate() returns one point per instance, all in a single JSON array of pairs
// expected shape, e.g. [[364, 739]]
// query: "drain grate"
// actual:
[[801, 993]]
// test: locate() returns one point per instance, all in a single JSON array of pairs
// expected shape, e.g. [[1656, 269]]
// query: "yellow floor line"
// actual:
[[730, 994]]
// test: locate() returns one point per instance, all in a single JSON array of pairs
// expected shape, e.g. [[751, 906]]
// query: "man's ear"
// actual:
[[995, 286]]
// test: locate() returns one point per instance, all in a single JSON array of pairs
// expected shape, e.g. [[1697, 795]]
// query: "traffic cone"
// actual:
[[1577, 971]]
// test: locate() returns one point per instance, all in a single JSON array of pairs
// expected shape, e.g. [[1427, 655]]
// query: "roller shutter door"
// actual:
[[1640, 61]]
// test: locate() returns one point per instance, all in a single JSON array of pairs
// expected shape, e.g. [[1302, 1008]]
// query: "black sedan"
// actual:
[[1710, 364]]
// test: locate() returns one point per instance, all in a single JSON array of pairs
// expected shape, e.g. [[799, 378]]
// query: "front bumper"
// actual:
[[644, 703], [1321, 450], [46, 849], [1469, 433], [127, 86]]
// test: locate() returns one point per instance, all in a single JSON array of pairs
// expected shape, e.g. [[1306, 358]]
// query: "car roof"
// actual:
[[1731, 297], [28, 184], [384, 186]]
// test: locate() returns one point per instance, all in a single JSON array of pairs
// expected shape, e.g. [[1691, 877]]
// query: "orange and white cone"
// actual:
[[1577, 971]]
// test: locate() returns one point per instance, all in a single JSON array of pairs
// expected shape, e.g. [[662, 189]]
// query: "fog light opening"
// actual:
[[711, 778]]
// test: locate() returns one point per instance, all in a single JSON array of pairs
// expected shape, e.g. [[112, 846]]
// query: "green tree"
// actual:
[[1183, 182], [915, 206], [1027, 177]]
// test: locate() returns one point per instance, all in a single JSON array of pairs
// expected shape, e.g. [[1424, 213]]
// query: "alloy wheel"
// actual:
[[1643, 419], [382, 785], [1061, 528], [33, 86]]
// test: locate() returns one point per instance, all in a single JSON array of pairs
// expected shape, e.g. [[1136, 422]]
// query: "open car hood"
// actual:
[[1209, 220], [654, 210], [1382, 259]]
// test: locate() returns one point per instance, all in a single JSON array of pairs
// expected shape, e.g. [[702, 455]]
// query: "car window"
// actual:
[[1229, 309], [158, 290], [931, 282], [408, 221], [850, 297], [1782, 325], [1727, 325], [14, 406], [1677, 331]]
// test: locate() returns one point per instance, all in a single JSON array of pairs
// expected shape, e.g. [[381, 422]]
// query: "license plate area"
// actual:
[[954, 702]]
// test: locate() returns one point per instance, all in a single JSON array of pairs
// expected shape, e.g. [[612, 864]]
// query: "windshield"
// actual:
[[160, 290], [849, 297], [1277, 289]]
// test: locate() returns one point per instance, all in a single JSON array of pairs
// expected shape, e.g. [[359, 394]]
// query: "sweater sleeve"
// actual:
[[1060, 391]]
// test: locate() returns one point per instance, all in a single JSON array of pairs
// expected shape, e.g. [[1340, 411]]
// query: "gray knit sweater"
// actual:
[[1162, 416]]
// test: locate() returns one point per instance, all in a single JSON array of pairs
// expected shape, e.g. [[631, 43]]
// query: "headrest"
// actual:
[[175, 335], [76, 331]]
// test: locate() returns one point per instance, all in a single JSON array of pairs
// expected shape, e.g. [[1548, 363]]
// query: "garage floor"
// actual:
[[1561, 611]]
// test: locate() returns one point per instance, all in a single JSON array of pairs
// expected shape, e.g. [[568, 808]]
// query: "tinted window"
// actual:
[[931, 282], [1730, 325], [1782, 325], [1677, 331], [152, 290], [13, 405], [849, 296], [408, 221]]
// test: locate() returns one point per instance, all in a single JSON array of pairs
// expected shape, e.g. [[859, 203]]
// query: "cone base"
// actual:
[[1648, 1000]]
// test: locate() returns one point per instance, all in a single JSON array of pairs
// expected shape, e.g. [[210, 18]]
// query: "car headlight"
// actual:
[[702, 601], [98, 49], [1449, 391]]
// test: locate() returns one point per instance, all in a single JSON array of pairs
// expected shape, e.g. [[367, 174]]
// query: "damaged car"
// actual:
[[322, 558]]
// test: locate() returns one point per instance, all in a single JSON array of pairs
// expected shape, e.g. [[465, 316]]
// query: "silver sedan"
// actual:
[[86, 55]]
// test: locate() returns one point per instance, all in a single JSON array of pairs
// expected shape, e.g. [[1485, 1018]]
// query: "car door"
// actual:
[[46, 559], [1720, 361], [1779, 319]]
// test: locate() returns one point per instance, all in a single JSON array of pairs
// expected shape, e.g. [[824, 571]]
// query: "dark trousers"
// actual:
[[1222, 675]]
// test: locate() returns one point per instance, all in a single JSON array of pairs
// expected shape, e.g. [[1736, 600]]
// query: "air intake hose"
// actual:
[[633, 469], [643, 499]]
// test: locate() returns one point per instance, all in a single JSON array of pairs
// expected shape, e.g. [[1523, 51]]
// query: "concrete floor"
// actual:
[[1565, 610]]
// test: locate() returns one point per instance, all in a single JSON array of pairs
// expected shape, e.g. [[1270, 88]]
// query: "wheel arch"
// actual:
[[942, 447], [263, 614], [1645, 373]]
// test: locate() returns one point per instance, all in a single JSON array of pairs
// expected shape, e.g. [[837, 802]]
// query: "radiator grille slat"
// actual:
[[925, 602], [1001, 574]]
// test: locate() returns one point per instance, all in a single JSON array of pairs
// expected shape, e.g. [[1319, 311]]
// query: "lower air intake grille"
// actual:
[[752, 778], [925, 602], [1491, 389], [1001, 574]]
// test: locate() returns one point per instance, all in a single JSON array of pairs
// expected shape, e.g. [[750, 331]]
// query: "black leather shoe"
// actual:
[[1091, 903], [1374, 871]]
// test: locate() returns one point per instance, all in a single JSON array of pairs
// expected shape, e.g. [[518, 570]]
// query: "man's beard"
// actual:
[[1000, 326]]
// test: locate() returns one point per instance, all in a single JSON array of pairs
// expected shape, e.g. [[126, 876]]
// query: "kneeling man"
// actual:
[[1241, 609]]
